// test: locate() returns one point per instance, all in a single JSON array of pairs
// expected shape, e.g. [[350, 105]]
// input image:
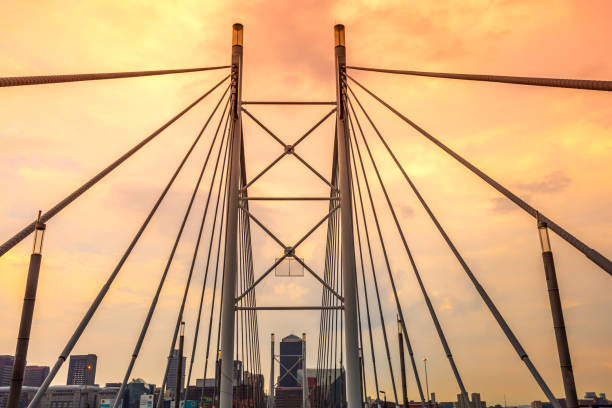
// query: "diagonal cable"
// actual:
[[481, 291], [590, 253], [102, 293], [18, 237], [589, 84], [54, 79], [162, 280], [373, 268], [430, 307]]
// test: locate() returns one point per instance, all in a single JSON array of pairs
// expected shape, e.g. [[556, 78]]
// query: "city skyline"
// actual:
[[475, 397], [552, 146]]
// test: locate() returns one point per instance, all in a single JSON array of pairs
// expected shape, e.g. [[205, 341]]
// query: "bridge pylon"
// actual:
[[231, 242], [349, 274]]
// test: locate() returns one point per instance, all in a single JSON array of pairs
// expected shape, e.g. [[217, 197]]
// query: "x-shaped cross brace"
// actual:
[[289, 149], [288, 370], [289, 252]]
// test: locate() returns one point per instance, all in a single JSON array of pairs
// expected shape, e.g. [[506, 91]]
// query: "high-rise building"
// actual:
[[237, 380], [33, 376], [290, 361], [476, 401], [134, 390], [6, 370], [171, 377], [82, 370]]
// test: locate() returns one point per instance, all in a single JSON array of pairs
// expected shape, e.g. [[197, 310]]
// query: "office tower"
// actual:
[[33, 376], [6, 370], [290, 360], [171, 379], [82, 370]]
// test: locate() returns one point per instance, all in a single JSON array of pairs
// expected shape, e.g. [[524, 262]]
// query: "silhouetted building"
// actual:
[[134, 390], [290, 361], [107, 395], [33, 376], [540, 404], [70, 396], [27, 394], [201, 382], [237, 377], [171, 378], [329, 389], [475, 403], [147, 401], [82, 370], [6, 370], [591, 399]]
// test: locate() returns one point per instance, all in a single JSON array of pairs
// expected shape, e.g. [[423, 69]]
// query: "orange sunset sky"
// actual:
[[553, 147]]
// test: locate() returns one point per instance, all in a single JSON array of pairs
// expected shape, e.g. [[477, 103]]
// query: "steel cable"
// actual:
[[590, 253], [45, 217], [593, 85], [206, 269], [373, 268], [162, 280], [430, 307], [481, 291], [102, 293], [54, 79]]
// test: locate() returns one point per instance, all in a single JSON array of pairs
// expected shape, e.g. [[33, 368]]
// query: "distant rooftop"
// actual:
[[291, 338]]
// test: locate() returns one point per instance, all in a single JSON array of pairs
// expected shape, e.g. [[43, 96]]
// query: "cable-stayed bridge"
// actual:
[[353, 233]]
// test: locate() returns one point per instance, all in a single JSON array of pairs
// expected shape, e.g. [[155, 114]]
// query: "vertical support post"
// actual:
[[427, 384], [179, 368], [363, 396], [271, 396], [571, 399], [353, 385], [27, 312], [217, 380], [402, 361], [304, 377], [231, 242]]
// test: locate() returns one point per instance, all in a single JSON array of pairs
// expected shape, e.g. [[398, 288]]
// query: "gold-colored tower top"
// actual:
[[237, 30], [339, 35]]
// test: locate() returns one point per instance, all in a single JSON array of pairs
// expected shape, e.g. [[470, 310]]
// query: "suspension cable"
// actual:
[[365, 291], [218, 257], [179, 317], [102, 293], [251, 316], [373, 268], [485, 297], [329, 267], [18, 237], [152, 307], [589, 84], [430, 307], [54, 79], [227, 188], [321, 377], [206, 270], [590, 253]]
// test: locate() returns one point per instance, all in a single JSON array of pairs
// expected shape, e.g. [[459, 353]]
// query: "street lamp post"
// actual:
[[385, 394], [426, 380]]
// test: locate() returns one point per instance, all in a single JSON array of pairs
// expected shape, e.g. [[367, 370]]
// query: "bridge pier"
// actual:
[[571, 398], [231, 243], [351, 338], [27, 313]]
